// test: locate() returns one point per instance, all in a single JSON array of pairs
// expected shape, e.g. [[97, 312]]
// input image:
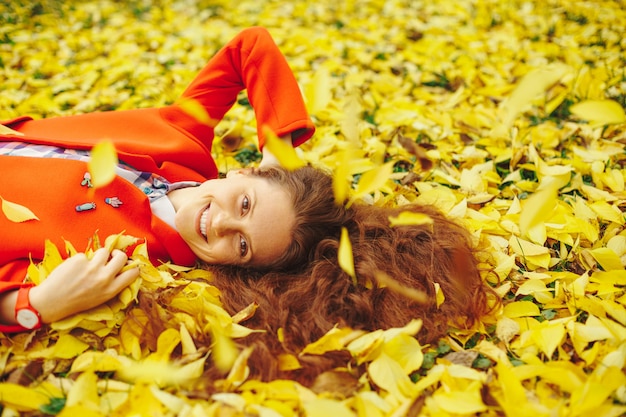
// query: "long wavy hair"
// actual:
[[397, 272]]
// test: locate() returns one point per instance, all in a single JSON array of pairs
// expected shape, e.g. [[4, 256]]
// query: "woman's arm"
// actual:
[[252, 61], [76, 285]]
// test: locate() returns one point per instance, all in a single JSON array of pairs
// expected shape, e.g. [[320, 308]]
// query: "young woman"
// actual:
[[161, 193], [270, 236]]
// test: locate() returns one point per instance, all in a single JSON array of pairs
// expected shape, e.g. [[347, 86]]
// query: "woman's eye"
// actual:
[[243, 247], [245, 204]]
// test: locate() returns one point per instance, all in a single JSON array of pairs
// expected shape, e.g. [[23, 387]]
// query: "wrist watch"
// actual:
[[25, 315]]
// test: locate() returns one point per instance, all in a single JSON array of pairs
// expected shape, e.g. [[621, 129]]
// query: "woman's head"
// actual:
[[265, 219], [316, 214]]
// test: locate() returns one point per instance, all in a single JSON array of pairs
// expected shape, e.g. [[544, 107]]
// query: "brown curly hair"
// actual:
[[313, 294]]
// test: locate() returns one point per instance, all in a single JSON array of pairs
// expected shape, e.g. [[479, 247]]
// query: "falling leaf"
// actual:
[[537, 209], [409, 218], [342, 178], [16, 212], [284, 153], [440, 297], [373, 180], [318, 91], [225, 351], [345, 256], [196, 110], [530, 86], [599, 112], [102, 163], [414, 294]]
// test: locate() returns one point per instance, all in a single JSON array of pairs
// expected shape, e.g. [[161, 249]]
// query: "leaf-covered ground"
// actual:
[[514, 112]]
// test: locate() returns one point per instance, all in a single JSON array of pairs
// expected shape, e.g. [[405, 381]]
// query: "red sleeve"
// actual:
[[253, 61], [11, 278]]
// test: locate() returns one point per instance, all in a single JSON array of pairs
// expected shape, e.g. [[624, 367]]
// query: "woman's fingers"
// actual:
[[118, 260], [100, 256], [124, 279]]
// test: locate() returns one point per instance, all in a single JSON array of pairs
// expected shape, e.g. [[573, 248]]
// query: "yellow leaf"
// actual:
[[16, 212], [373, 180], [599, 112], [460, 402], [224, 351], [21, 398], [537, 208], [334, 339], [350, 123], [548, 336], [530, 87], [284, 153], [606, 211], [440, 297], [288, 362], [161, 373], [80, 410], [513, 398], [102, 163], [409, 218], [389, 375], [521, 309], [346, 259], [187, 343], [367, 347], [318, 92], [84, 392], [342, 178], [4, 130], [405, 350], [596, 390], [607, 259], [239, 371], [196, 110], [52, 257], [324, 407], [385, 280], [531, 254], [166, 343], [68, 346], [506, 329], [94, 361], [536, 288]]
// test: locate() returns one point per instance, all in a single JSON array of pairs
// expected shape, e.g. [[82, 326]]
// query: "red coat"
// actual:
[[166, 141]]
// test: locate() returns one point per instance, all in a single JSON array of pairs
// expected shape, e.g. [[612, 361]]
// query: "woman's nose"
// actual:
[[222, 224]]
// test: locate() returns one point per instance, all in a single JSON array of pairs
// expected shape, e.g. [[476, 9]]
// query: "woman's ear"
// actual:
[[240, 171]]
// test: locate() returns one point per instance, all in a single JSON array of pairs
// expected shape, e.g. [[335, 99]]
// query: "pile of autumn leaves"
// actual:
[[509, 117]]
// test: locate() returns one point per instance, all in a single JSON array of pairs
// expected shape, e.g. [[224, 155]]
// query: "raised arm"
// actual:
[[253, 61]]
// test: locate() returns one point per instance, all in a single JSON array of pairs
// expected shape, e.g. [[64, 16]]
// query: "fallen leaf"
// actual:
[[16, 212]]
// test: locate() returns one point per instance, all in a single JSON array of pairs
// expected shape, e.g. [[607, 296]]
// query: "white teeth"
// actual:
[[203, 222]]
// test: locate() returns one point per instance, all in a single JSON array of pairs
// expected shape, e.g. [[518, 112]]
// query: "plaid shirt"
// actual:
[[154, 186]]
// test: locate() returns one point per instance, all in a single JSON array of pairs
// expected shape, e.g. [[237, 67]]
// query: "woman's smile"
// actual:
[[203, 222]]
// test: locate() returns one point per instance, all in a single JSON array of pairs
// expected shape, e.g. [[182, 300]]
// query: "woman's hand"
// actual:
[[79, 284]]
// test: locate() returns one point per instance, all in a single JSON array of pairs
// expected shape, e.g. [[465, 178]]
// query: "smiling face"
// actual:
[[238, 220]]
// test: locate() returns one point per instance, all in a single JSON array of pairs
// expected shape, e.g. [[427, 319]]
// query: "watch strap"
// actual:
[[23, 303]]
